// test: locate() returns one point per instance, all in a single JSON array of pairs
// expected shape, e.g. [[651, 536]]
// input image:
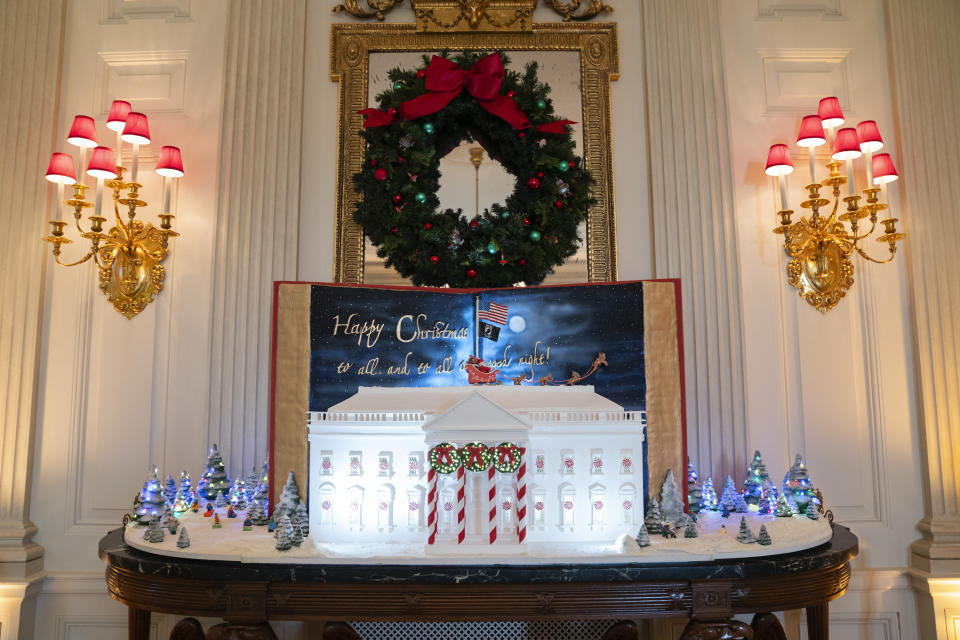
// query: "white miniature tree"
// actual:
[[184, 540], [653, 517], [153, 533], [289, 497], [764, 537], [257, 514], [745, 535], [690, 529], [671, 502], [301, 518], [643, 538], [220, 502], [284, 533]]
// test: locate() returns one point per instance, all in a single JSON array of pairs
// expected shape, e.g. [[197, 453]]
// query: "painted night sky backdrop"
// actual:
[[575, 322]]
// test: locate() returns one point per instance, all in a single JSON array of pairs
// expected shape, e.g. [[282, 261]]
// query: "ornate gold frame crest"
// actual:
[[489, 25]]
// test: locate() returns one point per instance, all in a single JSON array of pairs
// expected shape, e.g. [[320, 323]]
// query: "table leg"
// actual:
[[716, 630], [766, 626], [818, 622], [138, 624]]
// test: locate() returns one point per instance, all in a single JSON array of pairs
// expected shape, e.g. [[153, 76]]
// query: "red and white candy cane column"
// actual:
[[492, 488], [431, 506], [461, 504], [522, 497]]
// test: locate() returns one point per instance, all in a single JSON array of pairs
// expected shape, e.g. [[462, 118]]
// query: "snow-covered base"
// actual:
[[717, 540]]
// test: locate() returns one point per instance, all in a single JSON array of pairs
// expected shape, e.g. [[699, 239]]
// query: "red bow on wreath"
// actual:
[[444, 82]]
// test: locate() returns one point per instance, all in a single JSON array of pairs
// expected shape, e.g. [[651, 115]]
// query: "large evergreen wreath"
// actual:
[[428, 113]]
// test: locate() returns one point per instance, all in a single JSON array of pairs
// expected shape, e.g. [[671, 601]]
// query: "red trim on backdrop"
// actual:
[[273, 385], [683, 392]]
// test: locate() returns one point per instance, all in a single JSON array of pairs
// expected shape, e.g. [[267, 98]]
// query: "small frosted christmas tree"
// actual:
[[284, 533], [170, 493], [742, 506], [671, 502], [152, 501], [301, 518], [653, 518], [763, 537], [812, 512], [186, 488], [694, 493], [220, 502], [214, 477], [257, 514], [756, 475], [797, 484], [782, 510], [728, 499], [251, 484], [643, 538], [238, 495], [180, 503], [708, 501], [745, 535], [297, 539], [768, 498], [690, 529], [153, 533], [184, 540], [169, 522], [289, 497]]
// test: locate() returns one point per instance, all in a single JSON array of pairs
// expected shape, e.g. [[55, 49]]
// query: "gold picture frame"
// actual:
[[597, 46]]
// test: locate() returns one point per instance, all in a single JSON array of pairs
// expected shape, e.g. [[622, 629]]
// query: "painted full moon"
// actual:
[[517, 324]]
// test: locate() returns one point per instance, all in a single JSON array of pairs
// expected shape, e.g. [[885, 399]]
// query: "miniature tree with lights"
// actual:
[[180, 504], [214, 477], [220, 502], [756, 475], [152, 501], [708, 500], [671, 502], [289, 497], [284, 533], [728, 499], [690, 529], [251, 484], [238, 495], [643, 538], [169, 522], [170, 493], [653, 517], [183, 541], [745, 535], [742, 506], [764, 537], [796, 484], [261, 491], [782, 510], [186, 488], [768, 498], [694, 493]]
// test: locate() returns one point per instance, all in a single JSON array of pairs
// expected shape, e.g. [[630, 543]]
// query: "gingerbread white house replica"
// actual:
[[569, 460]]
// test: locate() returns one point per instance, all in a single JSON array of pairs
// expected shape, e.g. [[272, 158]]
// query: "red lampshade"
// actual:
[[102, 164], [883, 169], [170, 163], [83, 132], [135, 129], [869, 135], [118, 115], [811, 132], [778, 161], [829, 112], [847, 145], [61, 169]]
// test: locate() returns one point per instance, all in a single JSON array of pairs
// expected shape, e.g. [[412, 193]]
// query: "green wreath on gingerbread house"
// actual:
[[428, 113]]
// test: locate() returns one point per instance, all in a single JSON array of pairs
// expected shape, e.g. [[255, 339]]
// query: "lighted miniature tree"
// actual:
[[643, 538], [742, 506], [220, 502], [289, 497], [782, 510], [671, 502], [797, 484], [708, 501], [728, 499], [238, 495], [653, 518], [153, 533], [694, 493], [251, 484], [301, 518], [184, 540], [768, 498], [186, 488], [690, 529], [180, 503], [261, 491], [170, 492], [756, 474], [152, 501], [214, 476], [764, 537], [258, 514], [745, 535], [284, 533]]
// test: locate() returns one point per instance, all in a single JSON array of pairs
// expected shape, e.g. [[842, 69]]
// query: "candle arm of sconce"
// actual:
[[90, 254], [893, 254], [856, 238]]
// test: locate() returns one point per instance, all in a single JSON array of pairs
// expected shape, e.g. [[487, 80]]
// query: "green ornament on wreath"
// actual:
[[475, 456], [444, 458], [427, 114]]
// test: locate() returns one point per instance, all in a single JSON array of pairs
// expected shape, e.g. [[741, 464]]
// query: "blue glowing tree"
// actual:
[[152, 502], [756, 475], [708, 500], [694, 492], [214, 477]]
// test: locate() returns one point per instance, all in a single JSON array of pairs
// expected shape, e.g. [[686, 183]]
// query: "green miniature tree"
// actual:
[[694, 492], [184, 540], [653, 518], [690, 529], [643, 538], [756, 475], [782, 510], [284, 533], [764, 537], [745, 535], [301, 518], [214, 477]]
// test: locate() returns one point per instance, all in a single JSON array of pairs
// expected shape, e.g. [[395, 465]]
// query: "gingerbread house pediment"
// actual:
[[476, 418]]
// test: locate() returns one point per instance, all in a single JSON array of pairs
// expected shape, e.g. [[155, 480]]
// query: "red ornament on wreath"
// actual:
[[471, 273], [421, 73], [397, 199], [533, 183], [474, 224], [427, 226], [380, 174], [392, 112], [434, 259]]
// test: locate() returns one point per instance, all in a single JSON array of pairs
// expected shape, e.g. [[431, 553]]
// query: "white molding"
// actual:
[[122, 11], [148, 66], [778, 10], [807, 61], [865, 624]]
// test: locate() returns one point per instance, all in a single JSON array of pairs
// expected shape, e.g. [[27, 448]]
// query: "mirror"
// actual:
[[576, 60]]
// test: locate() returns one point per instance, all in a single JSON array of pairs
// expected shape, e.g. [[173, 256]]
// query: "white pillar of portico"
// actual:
[[925, 59], [31, 50]]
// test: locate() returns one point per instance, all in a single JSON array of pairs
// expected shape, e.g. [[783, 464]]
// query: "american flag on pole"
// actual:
[[496, 313]]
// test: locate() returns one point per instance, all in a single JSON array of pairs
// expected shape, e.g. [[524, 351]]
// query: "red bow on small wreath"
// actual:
[[444, 82]]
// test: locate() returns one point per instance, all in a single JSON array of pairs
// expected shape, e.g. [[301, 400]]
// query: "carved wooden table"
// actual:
[[246, 596]]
